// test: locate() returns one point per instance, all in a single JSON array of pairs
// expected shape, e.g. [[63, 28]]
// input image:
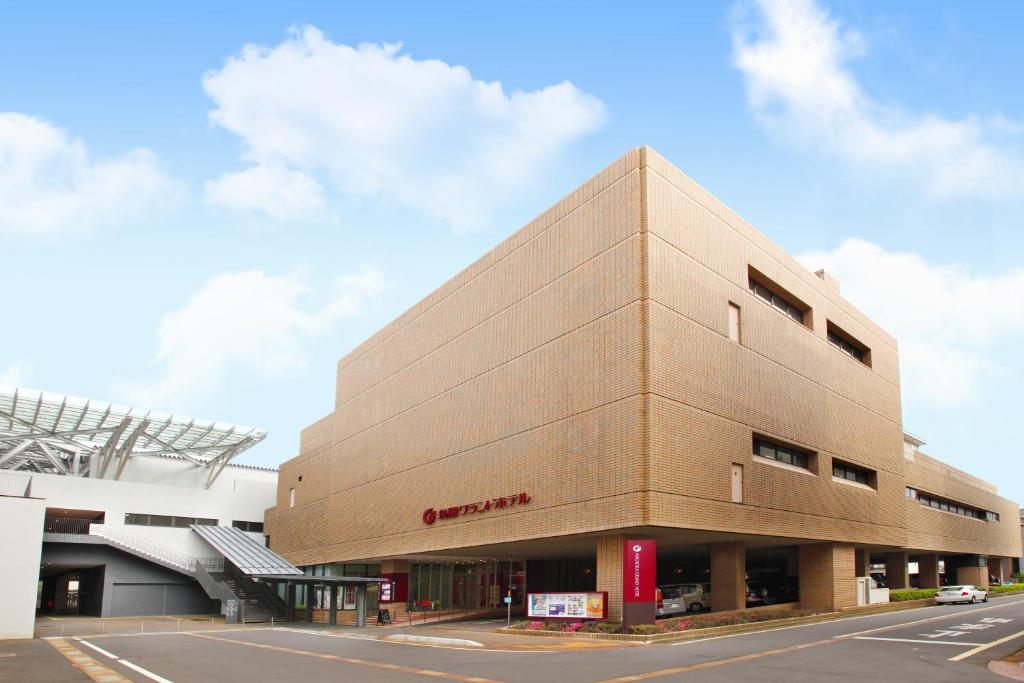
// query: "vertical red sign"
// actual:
[[638, 571]]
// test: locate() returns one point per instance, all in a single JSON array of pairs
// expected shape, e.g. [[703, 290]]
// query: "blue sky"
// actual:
[[196, 225]]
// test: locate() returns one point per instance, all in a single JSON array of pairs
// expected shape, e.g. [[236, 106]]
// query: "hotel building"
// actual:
[[638, 362]]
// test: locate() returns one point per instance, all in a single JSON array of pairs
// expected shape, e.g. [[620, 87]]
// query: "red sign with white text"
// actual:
[[638, 571]]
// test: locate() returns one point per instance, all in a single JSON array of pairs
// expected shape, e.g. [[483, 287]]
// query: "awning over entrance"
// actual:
[[248, 555]]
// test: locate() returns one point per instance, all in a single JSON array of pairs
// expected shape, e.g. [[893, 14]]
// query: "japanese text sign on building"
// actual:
[[430, 515]]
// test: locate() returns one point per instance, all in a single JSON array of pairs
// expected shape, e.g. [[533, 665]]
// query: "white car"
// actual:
[[669, 601], [970, 594]]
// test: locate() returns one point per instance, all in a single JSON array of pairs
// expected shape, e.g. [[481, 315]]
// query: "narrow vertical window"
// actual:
[[737, 483], [734, 322], [291, 498]]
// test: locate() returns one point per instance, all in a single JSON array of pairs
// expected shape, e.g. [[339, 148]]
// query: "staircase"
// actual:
[[223, 578], [140, 547], [257, 601]]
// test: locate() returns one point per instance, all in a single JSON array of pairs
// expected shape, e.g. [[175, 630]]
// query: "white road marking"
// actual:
[[982, 648], [97, 648], [909, 640], [923, 621], [833, 621], [124, 662], [144, 672]]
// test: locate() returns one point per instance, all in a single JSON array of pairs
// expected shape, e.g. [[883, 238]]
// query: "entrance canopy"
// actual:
[[58, 434]]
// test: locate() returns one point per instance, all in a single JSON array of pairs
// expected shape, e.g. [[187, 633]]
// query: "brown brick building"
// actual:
[[637, 362]]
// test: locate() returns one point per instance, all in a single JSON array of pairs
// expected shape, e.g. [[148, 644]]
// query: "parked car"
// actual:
[[786, 590], [697, 596], [879, 579], [757, 595], [970, 594], [669, 601]]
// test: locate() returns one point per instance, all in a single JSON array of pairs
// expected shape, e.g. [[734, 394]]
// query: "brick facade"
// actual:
[[587, 361]]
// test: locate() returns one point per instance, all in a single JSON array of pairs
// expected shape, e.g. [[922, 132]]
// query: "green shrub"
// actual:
[[912, 594], [1007, 589], [1019, 577], [646, 629], [602, 627]]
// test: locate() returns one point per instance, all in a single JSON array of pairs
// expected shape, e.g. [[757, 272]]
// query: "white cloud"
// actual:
[[248, 321], [946, 319], [280, 193], [16, 374], [376, 123], [796, 61], [48, 184]]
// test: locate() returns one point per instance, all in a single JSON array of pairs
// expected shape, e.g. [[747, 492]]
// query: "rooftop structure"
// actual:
[[57, 434]]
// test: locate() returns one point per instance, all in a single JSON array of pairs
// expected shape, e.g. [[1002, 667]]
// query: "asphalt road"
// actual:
[[934, 644]]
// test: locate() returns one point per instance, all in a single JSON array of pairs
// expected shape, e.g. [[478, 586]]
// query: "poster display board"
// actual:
[[385, 592], [567, 605]]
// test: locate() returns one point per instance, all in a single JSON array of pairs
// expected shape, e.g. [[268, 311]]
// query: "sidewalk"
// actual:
[[1012, 667]]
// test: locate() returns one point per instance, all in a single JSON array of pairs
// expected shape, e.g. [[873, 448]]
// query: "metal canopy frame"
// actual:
[[57, 434]]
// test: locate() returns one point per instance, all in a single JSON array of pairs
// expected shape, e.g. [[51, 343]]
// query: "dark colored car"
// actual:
[[758, 595]]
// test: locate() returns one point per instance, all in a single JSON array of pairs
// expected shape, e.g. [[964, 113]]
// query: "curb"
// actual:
[[697, 633], [433, 640]]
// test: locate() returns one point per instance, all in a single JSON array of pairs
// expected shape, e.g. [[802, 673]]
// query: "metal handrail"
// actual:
[[66, 525], [181, 561]]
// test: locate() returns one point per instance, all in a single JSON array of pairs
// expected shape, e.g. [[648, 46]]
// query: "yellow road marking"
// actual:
[[982, 648], [352, 660], [89, 666]]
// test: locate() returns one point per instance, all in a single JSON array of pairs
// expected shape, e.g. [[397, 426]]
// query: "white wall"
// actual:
[[238, 494], [21, 541]]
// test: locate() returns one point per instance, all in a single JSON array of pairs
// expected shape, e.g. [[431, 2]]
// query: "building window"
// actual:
[[291, 497], [947, 505], [848, 344], [141, 519], [256, 527], [784, 453], [848, 472], [734, 322], [780, 299]]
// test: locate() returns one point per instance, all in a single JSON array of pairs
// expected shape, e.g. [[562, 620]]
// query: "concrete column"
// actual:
[[927, 571], [1003, 568], [361, 605], [290, 599], [973, 575], [827, 580], [863, 562], [728, 576], [896, 571], [310, 592], [332, 615], [609, 572]]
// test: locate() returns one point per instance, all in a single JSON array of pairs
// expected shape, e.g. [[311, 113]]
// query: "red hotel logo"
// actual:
[[430, 515]]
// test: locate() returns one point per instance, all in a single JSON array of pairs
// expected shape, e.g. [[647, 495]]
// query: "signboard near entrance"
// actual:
[[638, 571], [639, 579], [567, 605]]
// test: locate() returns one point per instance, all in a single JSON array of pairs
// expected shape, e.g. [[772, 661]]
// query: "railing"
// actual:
[[15, 484], [66, 525], [134, 544], [214, 565]]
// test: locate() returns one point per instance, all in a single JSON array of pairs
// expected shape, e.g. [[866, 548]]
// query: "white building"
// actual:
[[99, 504]]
